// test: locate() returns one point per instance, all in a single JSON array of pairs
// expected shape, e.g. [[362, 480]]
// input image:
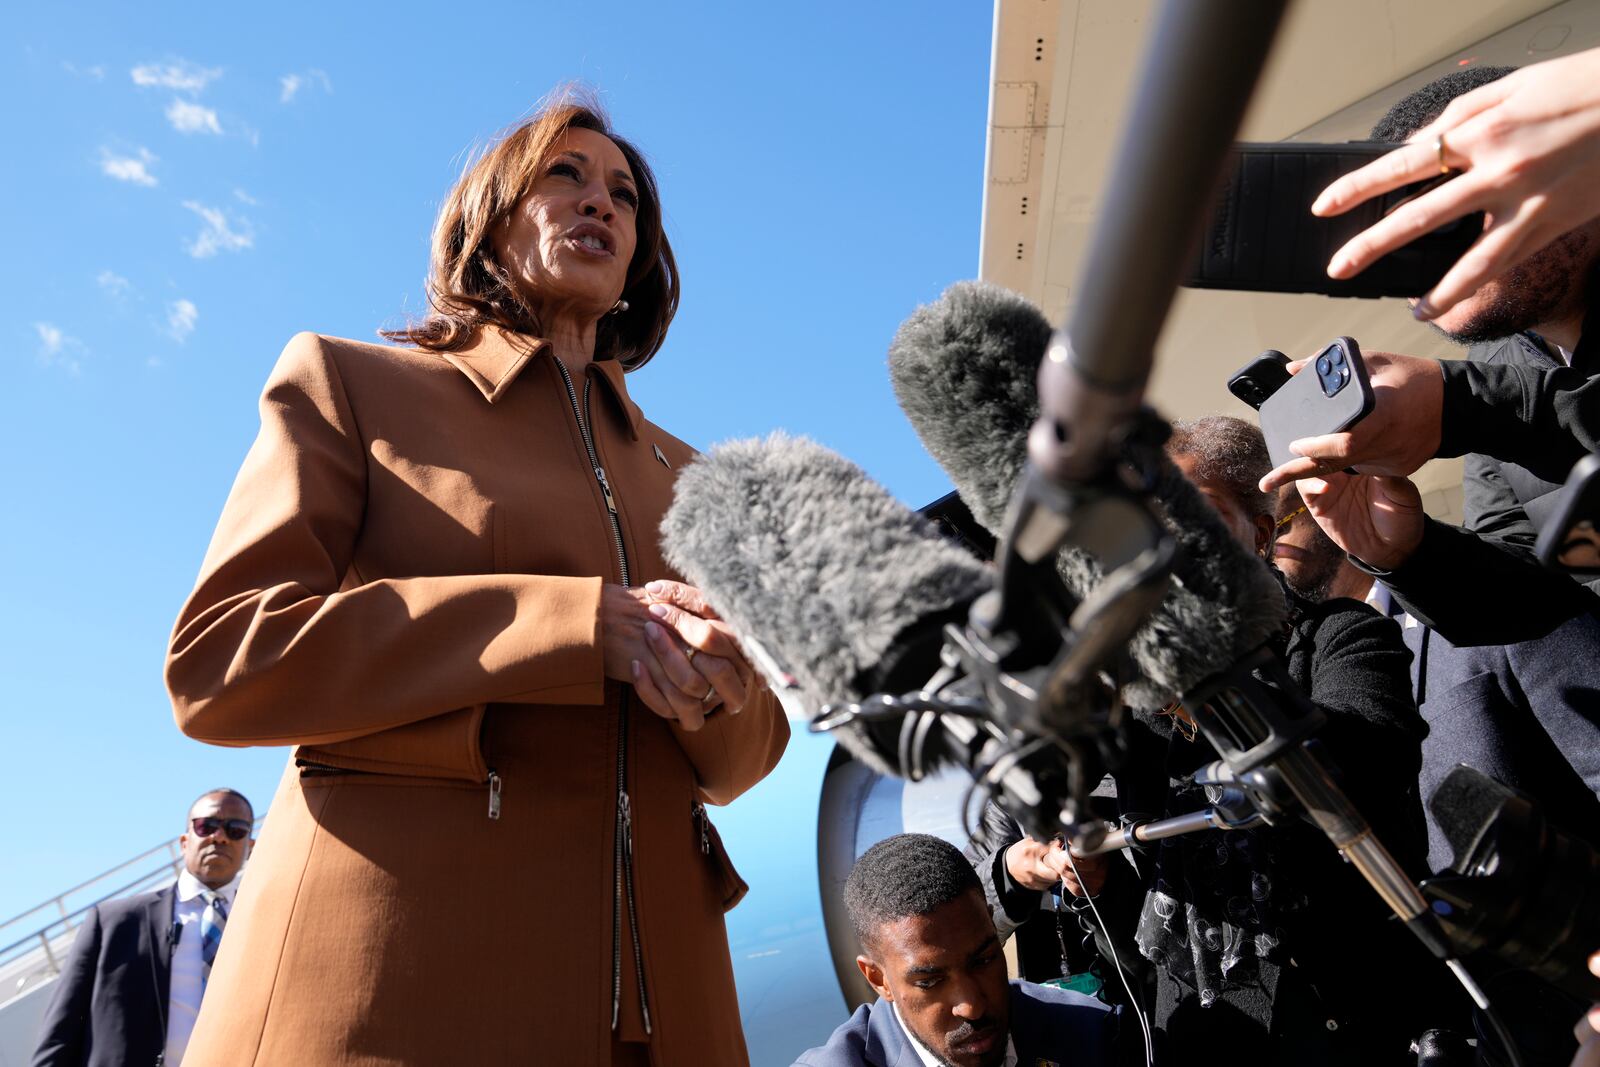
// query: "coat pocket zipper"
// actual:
[[313, 769]]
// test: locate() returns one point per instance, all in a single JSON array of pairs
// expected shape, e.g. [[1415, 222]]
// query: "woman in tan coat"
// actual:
[[438, 577]]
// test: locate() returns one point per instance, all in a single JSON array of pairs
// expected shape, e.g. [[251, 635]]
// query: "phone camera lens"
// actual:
[[1338, 357], [1324, 367]]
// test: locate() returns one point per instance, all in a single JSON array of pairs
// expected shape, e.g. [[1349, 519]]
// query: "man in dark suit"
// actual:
[[132, 985], [929, 950]]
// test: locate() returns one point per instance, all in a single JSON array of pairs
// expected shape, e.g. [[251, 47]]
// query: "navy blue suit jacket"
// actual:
[[1046, 1023], [110, 1003]]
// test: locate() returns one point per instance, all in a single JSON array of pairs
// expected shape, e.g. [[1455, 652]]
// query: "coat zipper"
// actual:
[[623, 857], [703, 821]]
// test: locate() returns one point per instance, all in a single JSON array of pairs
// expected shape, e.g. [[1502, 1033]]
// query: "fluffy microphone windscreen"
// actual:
[[795, 546], [965, 369]]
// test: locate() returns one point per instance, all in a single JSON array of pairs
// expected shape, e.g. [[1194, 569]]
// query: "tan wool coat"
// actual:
[[405, 585]]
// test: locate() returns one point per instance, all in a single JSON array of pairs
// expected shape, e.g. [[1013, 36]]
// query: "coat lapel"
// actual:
[[888, 1040], [158, 925]]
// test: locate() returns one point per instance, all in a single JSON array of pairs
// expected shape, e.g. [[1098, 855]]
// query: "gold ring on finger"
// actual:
[[1439, 147], [690, 654]]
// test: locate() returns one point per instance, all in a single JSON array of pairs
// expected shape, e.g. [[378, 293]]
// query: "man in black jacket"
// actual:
[[132, 985]]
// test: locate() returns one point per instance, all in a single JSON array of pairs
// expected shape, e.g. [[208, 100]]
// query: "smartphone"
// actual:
[[1263, 237], [1260, 378], [1570, 539], [1331, 393]]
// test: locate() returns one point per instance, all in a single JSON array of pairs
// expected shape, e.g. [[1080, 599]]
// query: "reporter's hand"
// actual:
[[629, 654], [718, 668], [1031, 864], [1089, 877], [1400, 434], [1374, 518], [1529, 147]]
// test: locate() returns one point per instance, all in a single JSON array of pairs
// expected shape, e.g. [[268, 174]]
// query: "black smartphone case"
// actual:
[[1301, 409], [1260, 378], [1263, 237]]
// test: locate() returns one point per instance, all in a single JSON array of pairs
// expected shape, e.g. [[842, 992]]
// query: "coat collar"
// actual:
[[494, 357]]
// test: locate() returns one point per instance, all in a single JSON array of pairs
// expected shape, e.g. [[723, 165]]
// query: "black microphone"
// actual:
[[836, 589], [964, 369]]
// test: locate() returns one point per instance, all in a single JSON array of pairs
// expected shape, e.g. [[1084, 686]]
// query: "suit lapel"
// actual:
[[158, 925], [892, 1044]]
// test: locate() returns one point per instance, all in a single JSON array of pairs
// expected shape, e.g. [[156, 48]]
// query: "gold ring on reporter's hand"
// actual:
[[1439, 146]]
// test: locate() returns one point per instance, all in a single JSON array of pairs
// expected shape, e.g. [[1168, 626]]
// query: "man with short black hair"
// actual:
[[928, 947], [131, 988]]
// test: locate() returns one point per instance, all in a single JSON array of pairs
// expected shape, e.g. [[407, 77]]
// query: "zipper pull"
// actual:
[[625, 821], [702, 819], [494, 795], [605, 487]]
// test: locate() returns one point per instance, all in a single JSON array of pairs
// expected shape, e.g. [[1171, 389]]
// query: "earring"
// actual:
[[619, 307]]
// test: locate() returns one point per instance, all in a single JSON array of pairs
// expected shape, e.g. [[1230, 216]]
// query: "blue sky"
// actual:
[[186, 187]]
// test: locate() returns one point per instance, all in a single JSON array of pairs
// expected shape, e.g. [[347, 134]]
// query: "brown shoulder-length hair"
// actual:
[[468, 288]]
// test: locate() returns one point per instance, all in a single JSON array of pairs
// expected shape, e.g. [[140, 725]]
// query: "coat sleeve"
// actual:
[[1432, 586], [731, 753], [1492, 507], [1361, 676], [66, 1020], [1543, 418], [1010, 905], [280, 643]]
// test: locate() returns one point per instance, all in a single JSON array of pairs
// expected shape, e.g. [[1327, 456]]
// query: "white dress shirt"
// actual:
[[183, 994], [929, 1059]]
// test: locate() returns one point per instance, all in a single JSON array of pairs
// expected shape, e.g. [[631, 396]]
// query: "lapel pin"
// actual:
[[661, 457]]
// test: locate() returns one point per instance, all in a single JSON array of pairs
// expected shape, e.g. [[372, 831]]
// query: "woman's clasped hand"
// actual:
[[668, 643]]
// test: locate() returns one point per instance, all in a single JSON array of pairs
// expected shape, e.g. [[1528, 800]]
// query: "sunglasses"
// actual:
[[1295, 514], [237, 829]]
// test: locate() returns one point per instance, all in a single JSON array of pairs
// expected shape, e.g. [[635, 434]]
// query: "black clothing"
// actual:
[[1293, 899], [1512, 402], [110, 1003], [1514, 474], [1050, 944], [1476, 590], [1522, 419], [1331, 954]]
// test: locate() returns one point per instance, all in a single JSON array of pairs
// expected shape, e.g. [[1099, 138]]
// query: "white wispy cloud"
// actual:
[[113, 283], [188, 117], [95, 73], [308, 79], [245, 198], [134, 169], [182, 75], [57, 348], [217, 235], [181, 317]]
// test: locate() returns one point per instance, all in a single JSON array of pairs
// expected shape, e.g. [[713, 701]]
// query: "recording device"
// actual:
[[1262, 236], [963, 370], [1519, 889], [1260, 378], [847, 597], [1331, 393], [1570, 540]]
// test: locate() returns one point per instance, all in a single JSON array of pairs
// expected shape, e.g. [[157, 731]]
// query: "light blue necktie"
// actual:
[[212, 920]]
